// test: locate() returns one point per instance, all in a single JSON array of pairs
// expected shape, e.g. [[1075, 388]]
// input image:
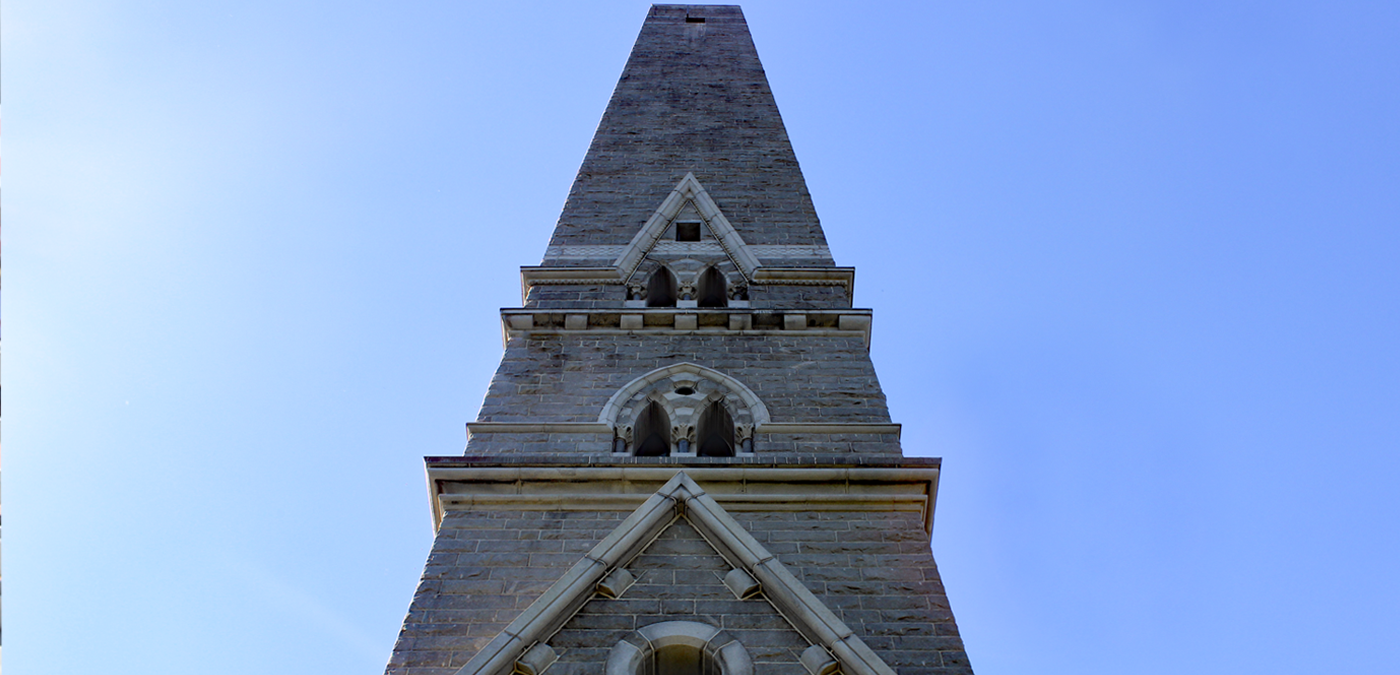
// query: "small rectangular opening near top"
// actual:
[[694, 19], [688, 231]]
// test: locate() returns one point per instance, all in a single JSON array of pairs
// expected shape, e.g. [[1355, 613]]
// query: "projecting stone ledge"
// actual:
[[729, 321], [479, 483]]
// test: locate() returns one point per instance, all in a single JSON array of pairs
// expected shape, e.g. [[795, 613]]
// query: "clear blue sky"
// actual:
[[1133, 267]]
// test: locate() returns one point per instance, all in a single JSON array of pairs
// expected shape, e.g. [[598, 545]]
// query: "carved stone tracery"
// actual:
[[684, 391]]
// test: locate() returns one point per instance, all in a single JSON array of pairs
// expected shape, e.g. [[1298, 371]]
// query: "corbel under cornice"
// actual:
[[688, 191]]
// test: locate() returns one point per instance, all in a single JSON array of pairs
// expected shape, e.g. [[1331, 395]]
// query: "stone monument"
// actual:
[[684, 464]]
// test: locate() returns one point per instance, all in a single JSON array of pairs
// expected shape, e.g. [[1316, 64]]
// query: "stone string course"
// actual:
[[769, 296]]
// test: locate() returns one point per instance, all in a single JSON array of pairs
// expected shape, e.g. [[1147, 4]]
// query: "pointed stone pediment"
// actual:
[[522, 645], [688, 203]]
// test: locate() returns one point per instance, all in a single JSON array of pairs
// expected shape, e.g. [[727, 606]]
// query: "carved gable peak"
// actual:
[[522, 646], [689, 222]]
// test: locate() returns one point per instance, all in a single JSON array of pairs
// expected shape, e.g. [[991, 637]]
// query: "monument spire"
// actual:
[[684, 464], [693, 99]]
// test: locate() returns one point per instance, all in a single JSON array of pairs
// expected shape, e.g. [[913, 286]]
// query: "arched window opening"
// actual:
[[678, 648], [716, 432], [661, 289], [653, 432], [679, 660], [713, 291]]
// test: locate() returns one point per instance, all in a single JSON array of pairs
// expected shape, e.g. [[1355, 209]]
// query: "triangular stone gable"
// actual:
[[679, 500], [679, 577], [688, 197]]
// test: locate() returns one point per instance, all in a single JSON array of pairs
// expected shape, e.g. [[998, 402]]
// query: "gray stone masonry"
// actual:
[[840, 508], [680, 578], [612, 296], [485, 568], [576, 296], [873, 569], [693, 97], [778, 296], [768, 448], [568, 377]]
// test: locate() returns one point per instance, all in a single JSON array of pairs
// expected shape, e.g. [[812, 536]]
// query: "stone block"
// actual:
[[535, 660], [616, 583], [741, 584], [740, 321], [818, 661], [576, 322], [630, 322], [853, 322], [794, 322], [687, 322]]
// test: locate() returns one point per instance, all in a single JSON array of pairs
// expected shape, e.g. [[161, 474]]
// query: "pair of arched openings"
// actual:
[[714, 433], [711, 289], [684, 409]]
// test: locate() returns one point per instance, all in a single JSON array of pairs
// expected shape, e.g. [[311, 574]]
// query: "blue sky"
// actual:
[[1133, 268]]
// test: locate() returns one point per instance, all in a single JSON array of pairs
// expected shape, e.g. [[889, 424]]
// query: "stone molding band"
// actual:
[[913, 501], [610, 252], [603, 428], [743, 488], [605, 276], [727, 321]]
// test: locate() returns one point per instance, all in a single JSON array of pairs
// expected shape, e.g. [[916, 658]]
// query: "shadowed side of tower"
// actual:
[[684, 463]]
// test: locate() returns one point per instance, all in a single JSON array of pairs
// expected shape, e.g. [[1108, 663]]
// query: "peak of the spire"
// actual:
[[693, 99]]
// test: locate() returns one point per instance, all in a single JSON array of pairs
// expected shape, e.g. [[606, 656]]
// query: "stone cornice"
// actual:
[[845, 277], [602, 428], [519, 322], [482, 485]]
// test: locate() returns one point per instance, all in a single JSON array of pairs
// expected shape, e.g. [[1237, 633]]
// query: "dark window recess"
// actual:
[[679, 660], [653, 432], [688, 231], [713, 291], [661, 289], [695, 19], [716, 432]]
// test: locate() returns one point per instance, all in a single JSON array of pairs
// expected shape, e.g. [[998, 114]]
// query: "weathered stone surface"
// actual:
[[569, 378], [485, 568], [693, 98], [680, 577], [890, 596]]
